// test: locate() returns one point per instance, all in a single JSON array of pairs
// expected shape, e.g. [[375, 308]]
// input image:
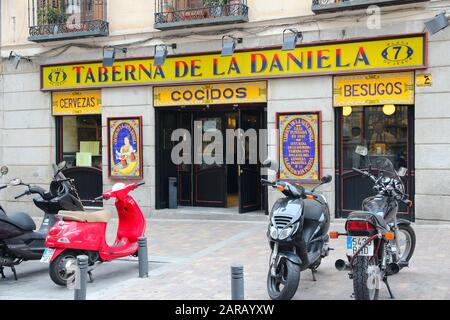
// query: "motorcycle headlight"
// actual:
[[286, 232], [273, 232]]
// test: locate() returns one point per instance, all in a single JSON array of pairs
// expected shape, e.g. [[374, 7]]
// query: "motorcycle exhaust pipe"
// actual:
[[341, 265], [392, 268]]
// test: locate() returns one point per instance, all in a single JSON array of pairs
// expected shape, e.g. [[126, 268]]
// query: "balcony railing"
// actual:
[[172, 14], [319, 6], [51, 20]]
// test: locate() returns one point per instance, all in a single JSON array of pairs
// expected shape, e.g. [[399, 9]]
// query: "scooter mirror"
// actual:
[[62, 165], [402, 171], [326, 179], [4, 170], [270, 164], [15, 182], [361, 150]]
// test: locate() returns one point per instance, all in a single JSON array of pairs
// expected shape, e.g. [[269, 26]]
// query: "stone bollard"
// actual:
[[143, 257], [237, 282], [81, 280]]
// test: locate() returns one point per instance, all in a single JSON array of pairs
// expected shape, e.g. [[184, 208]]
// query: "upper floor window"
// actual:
[[172, 14], [66, 19], [319, 6]]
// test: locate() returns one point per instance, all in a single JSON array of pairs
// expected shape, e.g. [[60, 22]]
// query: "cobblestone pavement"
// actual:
[[191, 255], [202, 252]]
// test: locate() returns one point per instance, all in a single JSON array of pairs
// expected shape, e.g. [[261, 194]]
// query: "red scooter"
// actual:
[[82, 232]]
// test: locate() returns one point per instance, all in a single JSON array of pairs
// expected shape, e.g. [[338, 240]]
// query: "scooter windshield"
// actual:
[[384, 167]]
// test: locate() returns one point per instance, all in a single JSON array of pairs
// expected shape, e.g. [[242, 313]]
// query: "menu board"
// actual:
[[299, 146]]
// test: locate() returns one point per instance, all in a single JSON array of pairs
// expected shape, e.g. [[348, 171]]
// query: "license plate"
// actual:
[[47, 255], [354, 243]]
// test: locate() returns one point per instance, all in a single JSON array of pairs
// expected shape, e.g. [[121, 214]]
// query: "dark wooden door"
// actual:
[[185, 169], [166, 123], [249, 167], [210, 179]]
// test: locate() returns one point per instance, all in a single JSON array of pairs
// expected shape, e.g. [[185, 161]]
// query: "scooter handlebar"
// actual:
[[21, 195], [266, 182], [140, 184]]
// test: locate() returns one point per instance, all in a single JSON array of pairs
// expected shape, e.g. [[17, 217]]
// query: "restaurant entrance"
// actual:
[[211, 174]]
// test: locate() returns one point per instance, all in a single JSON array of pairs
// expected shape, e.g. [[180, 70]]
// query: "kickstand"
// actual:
[[385, 280], [313, 271], [2, 273], [91, 278], [13, 269]]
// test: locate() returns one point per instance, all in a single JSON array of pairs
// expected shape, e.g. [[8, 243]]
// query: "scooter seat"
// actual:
[[22, 220], [85, 216]]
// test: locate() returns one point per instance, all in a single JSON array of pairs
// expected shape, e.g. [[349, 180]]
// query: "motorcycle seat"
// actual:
[[85, 216], [22, 220]]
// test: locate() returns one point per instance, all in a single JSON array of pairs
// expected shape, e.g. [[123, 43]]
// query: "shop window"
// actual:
[[382, 129], [386, 131], [81, 145]]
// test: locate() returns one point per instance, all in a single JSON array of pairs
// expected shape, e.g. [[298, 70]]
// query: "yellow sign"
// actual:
[[368, 55], [424, 80], [374, 89], [77, 102], [218, 93]]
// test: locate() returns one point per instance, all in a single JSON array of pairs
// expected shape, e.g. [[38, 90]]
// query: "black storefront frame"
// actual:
[[160, 203], [78, 174], [338, 117]]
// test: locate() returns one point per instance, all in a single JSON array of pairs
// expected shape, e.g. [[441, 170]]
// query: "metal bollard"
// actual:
[[81, 282], [237, 282], [143, 257]]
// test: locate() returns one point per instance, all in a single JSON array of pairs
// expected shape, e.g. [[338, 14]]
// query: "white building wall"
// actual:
[[132, 101], [432, 134], [27, 130], [28, 139], [300, 95]]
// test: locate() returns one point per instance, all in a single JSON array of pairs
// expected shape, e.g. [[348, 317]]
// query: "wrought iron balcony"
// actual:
[[51, 20], [319, 6], [172, 14]]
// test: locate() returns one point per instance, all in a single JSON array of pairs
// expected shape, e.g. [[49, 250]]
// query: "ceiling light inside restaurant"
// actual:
[[389, 109], [346, 111], [290, 40], [229, 44]]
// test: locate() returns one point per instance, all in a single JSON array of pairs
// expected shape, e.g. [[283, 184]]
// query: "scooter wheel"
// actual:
[[284, 285], [57, 270]]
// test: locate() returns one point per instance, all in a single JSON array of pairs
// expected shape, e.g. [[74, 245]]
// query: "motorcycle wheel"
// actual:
[[360, 279], [407, 241], [285, 284], [57, 269]]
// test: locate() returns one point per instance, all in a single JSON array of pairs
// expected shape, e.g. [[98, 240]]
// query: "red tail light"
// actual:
[[54, 231], [359, 226]]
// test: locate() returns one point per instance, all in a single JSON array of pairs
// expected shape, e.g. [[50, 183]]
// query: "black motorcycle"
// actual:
[[18, 239], [378, 244], [297, 235]]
